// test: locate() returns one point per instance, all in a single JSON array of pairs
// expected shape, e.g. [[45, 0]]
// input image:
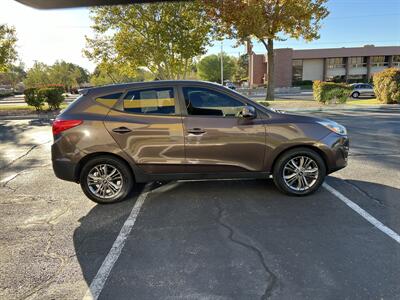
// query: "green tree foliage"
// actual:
[[242, 70], [38, 75], [209, 67], [266, 21], [8, 40], [387, 85], [162, 37], [62, 73], [110, 74], [14, 75]]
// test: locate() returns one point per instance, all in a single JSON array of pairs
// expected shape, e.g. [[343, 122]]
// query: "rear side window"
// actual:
[[150, 101], [109, 100]]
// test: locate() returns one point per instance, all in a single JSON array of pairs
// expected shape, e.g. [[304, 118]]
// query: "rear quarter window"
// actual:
[[109, 100]]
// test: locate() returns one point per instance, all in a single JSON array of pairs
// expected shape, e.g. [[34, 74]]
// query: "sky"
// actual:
[[49, 35]]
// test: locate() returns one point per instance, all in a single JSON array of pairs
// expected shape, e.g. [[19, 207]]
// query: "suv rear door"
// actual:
[[216, 139], [147, 124]]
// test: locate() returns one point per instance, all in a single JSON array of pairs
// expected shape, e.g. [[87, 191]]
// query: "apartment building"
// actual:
[[339, 64]]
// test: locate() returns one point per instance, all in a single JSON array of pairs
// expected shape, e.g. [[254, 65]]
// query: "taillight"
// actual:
[[62, 125]]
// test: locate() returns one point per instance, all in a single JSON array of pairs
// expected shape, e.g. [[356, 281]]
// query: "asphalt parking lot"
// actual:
[[226, 239]]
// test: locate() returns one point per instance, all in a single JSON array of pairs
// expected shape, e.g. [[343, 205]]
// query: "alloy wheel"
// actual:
[[300, 173], [105, 181]]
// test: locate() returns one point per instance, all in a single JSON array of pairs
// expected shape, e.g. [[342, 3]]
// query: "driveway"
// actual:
[[222, 239]]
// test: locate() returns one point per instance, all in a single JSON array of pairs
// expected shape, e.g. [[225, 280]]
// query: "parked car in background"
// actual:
[[115, 136], [362, 89], [230, 85]]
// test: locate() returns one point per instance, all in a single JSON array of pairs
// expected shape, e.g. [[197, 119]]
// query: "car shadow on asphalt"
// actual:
[[99, 228]]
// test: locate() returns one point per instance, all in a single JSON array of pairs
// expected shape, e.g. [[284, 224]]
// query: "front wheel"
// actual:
[[106, 179], [355, 95], [299, 172]]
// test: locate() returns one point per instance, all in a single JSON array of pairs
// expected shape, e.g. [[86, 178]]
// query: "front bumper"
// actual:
[[337, 151]]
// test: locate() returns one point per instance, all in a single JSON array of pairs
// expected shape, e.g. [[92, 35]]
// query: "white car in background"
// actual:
[[362, 89]]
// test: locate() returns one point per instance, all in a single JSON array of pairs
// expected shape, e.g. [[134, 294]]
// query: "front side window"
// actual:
[[206, 102], [150, 101]]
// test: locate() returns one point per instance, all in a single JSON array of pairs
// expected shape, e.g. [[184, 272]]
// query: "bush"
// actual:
[[53, 97], [330, 92], [33, 98], [387, 86]]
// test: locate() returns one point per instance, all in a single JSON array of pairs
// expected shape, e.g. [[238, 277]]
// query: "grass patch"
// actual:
[[27, 107], [363, 102]]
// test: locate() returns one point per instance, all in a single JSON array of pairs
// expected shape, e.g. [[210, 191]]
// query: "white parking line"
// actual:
[[364, 214], [100, 279]]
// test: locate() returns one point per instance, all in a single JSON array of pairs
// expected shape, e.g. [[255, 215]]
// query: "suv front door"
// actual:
[[217, 139]]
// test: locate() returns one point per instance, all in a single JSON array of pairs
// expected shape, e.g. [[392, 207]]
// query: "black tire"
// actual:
[[355, 95], [125, 171], [283, 159]]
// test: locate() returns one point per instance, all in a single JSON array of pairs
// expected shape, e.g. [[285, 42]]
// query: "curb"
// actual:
[[348, 108]]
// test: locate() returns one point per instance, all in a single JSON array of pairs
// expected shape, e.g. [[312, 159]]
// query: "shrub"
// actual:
[[330, 92], [33, 98], [387, 86], [53, 97]]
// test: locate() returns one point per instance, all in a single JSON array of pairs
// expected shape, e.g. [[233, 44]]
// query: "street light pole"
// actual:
[[222, 64]]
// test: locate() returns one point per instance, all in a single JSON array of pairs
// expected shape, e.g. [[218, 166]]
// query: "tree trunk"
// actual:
[[270, 71]]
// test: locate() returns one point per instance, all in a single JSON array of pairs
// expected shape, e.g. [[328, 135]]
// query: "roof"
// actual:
[[346, 52], [129, 85]]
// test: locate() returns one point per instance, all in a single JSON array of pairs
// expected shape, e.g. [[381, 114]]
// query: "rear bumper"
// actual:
[[64, 170], [63, 167], [338, 151]]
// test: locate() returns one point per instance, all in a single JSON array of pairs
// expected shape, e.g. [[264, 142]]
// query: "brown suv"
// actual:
[[114, 136]]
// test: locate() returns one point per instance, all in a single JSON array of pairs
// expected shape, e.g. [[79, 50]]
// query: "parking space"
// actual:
[[226, 239]]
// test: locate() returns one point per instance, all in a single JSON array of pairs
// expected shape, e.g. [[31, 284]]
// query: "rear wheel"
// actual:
[[299, 172], [106, 179], [355, 95]]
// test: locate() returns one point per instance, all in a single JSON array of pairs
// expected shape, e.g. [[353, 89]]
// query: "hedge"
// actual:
[[33, 98], [331, 92], [37, 97], [53, 96], [387, 86]]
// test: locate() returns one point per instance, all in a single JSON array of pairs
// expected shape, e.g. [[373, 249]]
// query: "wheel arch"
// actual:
[[310, 147], [90, 156]]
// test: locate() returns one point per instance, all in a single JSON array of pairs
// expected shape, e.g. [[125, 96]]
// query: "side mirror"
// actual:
[[248, 112]]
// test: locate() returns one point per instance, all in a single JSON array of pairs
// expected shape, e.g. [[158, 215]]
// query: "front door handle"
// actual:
[[197, 131], [121, 130]]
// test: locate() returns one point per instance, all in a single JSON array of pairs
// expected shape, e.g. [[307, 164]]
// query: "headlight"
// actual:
[[335, 127]]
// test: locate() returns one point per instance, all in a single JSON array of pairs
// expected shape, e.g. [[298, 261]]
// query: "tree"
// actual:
[[266, 21], [38, 75], [8, 40], [242, 71], [162, 37], [110, 74], [209, 67], [62, 73], [14, 75]]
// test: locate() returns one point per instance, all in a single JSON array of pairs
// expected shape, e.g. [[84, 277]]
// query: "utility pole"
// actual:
[[222, 64]]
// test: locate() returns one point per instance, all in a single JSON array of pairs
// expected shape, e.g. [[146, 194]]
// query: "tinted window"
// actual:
[[202, 101], [109, 100], [150, 101]]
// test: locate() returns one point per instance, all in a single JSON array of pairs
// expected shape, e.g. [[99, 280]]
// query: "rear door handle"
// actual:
[[196, 131], [121, 130]]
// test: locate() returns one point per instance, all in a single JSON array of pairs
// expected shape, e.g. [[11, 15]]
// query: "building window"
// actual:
[[337, 62], [297, 70], [379, 61], [358, 61], [396, 61]]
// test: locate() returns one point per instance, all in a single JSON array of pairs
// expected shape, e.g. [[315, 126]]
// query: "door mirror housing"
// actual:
[[248, 112]]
